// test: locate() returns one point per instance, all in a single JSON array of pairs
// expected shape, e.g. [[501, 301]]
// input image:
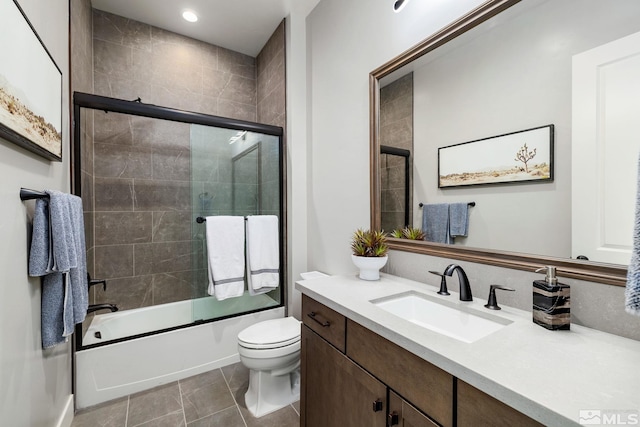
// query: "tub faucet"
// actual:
[[465, 288], [96, 307]]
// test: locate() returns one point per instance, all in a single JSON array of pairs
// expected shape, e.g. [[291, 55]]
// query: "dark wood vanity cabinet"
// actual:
[[478, 409], [335, 391], [353, 377], [403, 414], [428, 387], [352, 389]]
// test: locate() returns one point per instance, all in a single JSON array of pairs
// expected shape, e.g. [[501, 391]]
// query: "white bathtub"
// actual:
[[119, 369], [122, 324]]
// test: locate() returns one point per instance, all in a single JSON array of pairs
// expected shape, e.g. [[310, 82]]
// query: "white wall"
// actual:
[[348, 40], [297, 146], [36, 384]]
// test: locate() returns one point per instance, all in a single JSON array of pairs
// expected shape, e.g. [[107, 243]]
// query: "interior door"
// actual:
[[605, 147]]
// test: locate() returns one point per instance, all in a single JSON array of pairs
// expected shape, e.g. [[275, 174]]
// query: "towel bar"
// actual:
[[472, 204], [26, 194], [202, 219]]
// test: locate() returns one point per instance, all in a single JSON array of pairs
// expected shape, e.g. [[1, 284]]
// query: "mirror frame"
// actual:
[[610, 274]]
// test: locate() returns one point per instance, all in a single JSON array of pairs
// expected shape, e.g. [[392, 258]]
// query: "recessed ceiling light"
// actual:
[[399, 5], [189, 16]]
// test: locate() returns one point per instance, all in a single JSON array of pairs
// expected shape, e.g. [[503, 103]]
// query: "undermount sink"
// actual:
[[462, 323]]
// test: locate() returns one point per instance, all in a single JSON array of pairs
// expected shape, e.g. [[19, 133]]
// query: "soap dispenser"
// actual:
[[551, 301]]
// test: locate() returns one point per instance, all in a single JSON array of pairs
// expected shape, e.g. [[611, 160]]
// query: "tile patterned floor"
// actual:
[[215, 398]]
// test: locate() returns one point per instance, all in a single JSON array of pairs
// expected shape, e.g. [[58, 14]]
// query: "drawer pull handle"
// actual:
[[324, 324], [394, 419], [377, 405]]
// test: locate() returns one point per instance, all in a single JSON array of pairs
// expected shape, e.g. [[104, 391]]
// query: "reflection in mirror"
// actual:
[[515, 72], [396, 148]]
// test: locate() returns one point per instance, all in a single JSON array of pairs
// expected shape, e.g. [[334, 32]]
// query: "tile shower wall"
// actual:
[[271, 80], [142, 193], [271, 110], [396, 130]]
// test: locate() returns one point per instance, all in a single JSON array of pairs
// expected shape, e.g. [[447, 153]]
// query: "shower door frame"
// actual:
[[406, 154], [137, 108]]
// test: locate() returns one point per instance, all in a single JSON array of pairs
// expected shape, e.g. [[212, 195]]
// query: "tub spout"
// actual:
[[96, 307]]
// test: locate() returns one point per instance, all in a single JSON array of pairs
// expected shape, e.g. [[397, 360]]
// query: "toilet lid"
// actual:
[[271, 333]]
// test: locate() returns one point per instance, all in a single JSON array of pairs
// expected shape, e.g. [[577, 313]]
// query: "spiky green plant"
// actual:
[[408, 233], [413, 233], [369, 243], [397, 233]]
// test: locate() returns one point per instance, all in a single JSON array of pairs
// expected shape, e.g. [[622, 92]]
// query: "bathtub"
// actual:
[[122, 324], [119, 369]]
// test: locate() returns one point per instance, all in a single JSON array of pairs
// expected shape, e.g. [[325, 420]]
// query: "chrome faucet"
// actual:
[[465, 289]]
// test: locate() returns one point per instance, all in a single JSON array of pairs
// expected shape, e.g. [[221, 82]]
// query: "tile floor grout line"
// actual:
[[154, 419], [184, 413], [126, 415], [233, 397], [215, 413], [294, 409]]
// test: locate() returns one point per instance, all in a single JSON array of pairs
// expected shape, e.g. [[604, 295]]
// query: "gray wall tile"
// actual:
[[118, 228], [153, 258], [113, 194], [113, 261]]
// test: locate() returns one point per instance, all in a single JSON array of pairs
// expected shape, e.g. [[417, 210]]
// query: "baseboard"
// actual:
[[66, 418]]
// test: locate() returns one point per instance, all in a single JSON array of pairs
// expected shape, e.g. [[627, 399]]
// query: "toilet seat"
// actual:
[[270, 334]]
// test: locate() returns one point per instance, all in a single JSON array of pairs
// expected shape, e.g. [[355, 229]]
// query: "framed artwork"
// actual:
[[517, 157], [30, 86]]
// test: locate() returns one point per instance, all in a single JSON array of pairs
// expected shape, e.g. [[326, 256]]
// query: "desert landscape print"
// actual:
[[515, 157], [16, 116], [30, 87]]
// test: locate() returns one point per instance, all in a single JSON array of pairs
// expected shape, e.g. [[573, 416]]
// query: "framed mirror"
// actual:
[[506, 67]]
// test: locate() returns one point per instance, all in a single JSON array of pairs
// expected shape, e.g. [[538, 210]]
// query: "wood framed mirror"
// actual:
[[479, 24]]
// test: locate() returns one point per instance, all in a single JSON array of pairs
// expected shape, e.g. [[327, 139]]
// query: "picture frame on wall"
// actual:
[[518, 157], [30, 86]]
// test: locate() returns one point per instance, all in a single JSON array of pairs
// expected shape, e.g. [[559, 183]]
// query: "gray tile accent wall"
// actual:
[[133, 59], [145, 180], [271, 95], [396, 130]]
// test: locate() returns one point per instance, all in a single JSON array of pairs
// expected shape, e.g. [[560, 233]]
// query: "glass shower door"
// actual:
[[234, 172]]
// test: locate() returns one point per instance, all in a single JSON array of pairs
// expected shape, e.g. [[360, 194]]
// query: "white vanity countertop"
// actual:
[[548, 375]]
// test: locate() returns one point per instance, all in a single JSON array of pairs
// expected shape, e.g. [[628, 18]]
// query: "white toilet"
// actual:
[[271, 351]]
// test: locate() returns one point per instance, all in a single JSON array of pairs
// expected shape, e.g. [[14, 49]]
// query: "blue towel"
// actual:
[[40, 256], [58, 254], [458, 219], [632, 291], [435, 223]]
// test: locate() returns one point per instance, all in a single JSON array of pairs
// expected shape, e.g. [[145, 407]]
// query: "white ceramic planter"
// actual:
[[369, 266]]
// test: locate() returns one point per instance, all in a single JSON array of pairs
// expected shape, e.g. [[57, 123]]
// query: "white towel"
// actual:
[[225, 256], [632, 291], [263, 253]]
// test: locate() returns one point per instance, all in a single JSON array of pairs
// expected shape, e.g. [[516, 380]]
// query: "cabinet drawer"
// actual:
[[426, 386], [478, 409], [327, 323]]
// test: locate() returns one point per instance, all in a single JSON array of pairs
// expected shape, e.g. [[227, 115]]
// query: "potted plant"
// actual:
[[369, 252], [408, 233]]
